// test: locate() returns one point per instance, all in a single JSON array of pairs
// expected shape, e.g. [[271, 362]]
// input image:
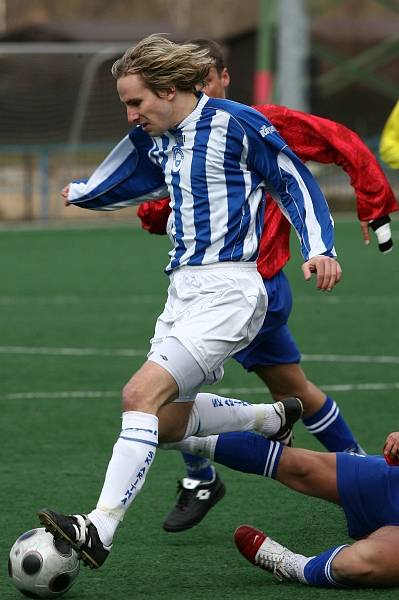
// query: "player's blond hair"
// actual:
[[162, 64]]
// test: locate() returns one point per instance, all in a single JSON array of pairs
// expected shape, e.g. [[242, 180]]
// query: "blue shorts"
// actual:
[[369, 491], [274, 344]]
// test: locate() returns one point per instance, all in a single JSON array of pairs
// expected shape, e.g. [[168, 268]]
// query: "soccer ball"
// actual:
[[41, 566]]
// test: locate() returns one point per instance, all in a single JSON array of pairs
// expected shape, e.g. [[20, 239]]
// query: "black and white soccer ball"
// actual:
[[41, 566]]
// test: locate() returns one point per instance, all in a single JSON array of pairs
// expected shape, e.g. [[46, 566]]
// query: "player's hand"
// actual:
[[364, 226], [328, 271], [391, 446], [64, 194]]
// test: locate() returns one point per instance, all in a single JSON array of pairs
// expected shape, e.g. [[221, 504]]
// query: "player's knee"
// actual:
[[306, 471], [296, 465], [134, 398]]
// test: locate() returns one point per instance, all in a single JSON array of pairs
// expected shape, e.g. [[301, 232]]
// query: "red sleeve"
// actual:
[[321, 140], [154, 215]]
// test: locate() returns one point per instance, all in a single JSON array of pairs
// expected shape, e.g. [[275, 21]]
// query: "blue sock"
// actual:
[[248, 452], [198, 467], [318, 570], [328, 425]]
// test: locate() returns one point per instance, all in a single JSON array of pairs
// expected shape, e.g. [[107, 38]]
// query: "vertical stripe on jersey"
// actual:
[[199, 188], [258, 220], [244, 246], [218, 190], [177, 201], [179, 182], [236, 191]]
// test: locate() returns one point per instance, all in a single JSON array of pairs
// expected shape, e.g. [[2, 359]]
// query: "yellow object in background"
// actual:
[[389, 143]]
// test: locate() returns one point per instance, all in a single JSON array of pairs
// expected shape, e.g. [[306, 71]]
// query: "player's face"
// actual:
[[154, 113], [216, 83]]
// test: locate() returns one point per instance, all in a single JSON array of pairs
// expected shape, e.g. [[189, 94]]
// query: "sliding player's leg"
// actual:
[[370, 562], [366, 489]]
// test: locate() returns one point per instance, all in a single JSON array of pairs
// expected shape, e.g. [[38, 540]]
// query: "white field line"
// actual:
[[226, 391], [83, 300], [59, 300], [341, 387], [59, 395], [72, 351], [95, 223], [350, 358], [49, 351]]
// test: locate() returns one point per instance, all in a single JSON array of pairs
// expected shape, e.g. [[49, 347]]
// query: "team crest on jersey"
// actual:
[[264, 131], [177, 159]]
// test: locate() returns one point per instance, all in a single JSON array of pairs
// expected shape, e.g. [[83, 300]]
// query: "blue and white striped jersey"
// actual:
[[125, 177], [217, 165]]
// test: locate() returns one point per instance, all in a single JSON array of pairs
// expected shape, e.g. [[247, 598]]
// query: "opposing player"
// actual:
[[366, 487], [217, 158], [273, 355]]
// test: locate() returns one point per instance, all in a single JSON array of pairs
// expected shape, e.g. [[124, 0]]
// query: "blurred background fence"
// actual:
[[60, 113]]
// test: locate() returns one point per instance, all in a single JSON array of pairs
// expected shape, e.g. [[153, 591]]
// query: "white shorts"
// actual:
[[214, 311]]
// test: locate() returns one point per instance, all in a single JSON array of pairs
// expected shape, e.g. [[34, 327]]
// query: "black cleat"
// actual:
[[290, 410], [196, 498], [79, 532]]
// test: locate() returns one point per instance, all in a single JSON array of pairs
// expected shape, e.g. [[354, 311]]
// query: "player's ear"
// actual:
[[225, 78], [168, 94]]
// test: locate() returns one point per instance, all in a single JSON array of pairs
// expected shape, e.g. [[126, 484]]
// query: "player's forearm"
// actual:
[[304, 204], [125, 177]]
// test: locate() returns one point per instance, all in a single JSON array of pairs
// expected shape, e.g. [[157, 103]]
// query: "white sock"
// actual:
[[215, 414], [271, 421], [131, 459], [106, 525], [200, 446]]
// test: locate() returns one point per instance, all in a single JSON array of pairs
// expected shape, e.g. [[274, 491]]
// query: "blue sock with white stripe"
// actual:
[[318, 569], [248, 452], [328, 425], [198, 467]]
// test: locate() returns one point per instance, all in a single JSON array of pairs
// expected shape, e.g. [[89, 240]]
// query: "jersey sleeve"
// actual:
[[126, 176], [325, 141], [291, 184]]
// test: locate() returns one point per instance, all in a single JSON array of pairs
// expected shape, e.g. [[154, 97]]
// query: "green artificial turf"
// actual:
[[98, 291]]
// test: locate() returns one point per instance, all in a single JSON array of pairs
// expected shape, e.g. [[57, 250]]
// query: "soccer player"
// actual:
[[217, 158], [273, 355], [366, 487]]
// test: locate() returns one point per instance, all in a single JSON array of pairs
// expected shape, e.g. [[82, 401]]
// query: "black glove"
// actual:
[[382, 230]]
